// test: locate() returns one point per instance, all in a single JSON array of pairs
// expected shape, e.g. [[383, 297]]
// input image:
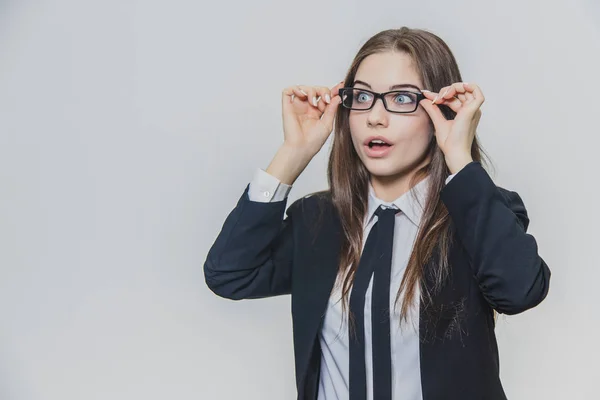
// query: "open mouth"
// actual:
[[378, 144]]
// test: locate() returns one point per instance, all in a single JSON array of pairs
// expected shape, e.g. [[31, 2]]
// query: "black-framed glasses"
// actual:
[[396, 101]]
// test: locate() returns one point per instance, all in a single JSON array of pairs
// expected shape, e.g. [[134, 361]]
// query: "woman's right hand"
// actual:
[[308, 115]]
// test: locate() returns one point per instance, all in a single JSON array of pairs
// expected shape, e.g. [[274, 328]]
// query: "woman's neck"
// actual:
[[389, 188]]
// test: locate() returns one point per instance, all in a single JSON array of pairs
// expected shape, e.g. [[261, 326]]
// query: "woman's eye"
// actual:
[[363, 97], [403, 99]]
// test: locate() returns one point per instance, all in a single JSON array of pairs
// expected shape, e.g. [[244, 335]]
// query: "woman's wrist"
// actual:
[[288, 163], [457, 162]]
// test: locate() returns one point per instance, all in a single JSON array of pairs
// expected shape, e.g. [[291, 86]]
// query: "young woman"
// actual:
[[397, 270]]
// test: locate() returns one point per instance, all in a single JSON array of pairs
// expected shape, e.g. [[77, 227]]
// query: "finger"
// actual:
[[429, 94], [469, 92], [335, 89], [448, 93], [436, 95], [434, 111], [324, 97], [330, 111], [469, 96], [442, 93], [321, 104], [460, 92], [476, 91], [308, 93], [454, 103], [301, 91], [289, 93], [311, 94], [317, 99], [456, 91], [474, 100], [324, 93], [459, 87]]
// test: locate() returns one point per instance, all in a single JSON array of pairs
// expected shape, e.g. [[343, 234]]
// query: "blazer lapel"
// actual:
[[314, 277]]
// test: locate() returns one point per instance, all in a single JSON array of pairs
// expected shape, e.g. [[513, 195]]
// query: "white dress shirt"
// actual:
[[335, 356]]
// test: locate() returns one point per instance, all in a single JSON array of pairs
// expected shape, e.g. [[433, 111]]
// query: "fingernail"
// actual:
[[436, 97], [327, 99], [303, 92], [425, 90], [465, 83], [445, 91], [315, 101]]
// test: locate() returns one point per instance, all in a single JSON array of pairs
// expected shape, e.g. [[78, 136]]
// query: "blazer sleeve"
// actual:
[[492, 225], [252, 254]]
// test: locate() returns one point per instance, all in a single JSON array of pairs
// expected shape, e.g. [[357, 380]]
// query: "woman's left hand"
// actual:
[[455, 137]]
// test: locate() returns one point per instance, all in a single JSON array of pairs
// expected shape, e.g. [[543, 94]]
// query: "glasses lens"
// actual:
[[401, 101], [357, 99]]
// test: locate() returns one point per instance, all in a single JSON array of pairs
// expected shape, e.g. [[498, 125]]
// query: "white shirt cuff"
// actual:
[[265, 188]]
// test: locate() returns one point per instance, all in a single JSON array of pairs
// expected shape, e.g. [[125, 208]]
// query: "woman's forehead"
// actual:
[[384, 70]]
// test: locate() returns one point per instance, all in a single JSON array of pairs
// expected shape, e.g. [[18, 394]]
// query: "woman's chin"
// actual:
[[382, 169]]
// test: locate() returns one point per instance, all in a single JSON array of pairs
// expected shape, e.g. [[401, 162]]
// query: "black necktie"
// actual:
[[376, 257]]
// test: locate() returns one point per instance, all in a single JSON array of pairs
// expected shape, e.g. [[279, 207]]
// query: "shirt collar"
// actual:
[[411, 207]]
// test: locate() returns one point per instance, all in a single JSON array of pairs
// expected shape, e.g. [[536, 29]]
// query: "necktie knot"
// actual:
[[386, 211]]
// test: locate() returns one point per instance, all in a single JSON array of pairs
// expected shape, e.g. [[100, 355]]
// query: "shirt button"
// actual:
[[267, 194]]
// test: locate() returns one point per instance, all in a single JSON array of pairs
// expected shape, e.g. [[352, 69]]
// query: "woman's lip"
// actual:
[[372, 138], [378, 151]]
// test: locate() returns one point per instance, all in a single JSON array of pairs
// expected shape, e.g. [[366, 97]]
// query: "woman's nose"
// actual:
[[378, 115]]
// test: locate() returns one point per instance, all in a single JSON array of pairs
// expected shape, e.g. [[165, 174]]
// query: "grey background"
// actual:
[[128, 130]]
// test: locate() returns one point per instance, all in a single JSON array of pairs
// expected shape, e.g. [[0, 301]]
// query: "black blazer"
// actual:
[[494, 264]]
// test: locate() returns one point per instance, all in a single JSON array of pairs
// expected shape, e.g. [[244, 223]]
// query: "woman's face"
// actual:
[[408, 135]]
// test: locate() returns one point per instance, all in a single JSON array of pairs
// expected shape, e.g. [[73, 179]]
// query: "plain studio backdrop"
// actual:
[[128, 131]]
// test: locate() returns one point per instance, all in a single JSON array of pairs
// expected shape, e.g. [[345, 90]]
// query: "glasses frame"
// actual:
[[420, 96]]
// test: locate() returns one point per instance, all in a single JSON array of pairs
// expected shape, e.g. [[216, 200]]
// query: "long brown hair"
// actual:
[[349, 179]]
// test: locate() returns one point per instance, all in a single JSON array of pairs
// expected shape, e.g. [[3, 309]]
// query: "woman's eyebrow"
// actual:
[[393, 87]]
